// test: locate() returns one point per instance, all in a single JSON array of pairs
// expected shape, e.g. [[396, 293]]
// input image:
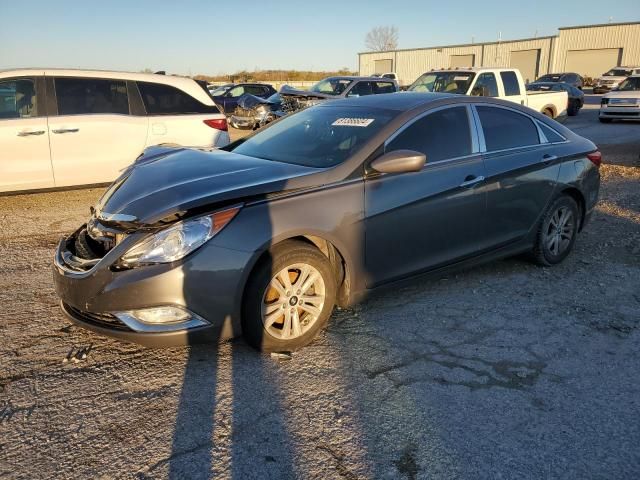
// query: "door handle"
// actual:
[[546, 158], [30, 133], [66, 130], [472, 180]]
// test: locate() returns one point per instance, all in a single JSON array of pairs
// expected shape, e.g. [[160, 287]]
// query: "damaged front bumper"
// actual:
[[204, 285]]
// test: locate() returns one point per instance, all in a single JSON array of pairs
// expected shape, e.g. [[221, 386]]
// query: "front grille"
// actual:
[[103, 320]]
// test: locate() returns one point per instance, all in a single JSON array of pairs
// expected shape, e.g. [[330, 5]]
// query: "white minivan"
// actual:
[[62, 128]]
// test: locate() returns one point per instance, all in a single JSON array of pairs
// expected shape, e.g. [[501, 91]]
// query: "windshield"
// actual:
[[630, 84], [550, 78], [331, 86], [218, 91], [316, 137], [447, 82], [618, 72]]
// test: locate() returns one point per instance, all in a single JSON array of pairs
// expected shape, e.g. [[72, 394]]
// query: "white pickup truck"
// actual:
[[505, 83]]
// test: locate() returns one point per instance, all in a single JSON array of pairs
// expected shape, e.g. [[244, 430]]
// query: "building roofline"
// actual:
[[599, 25], [458, 45], [479, 44]]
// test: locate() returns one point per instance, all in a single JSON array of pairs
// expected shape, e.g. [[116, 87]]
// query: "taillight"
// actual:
[[217, 123], [595, 157]]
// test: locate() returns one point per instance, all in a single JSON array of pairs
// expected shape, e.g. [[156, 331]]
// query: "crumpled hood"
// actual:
[[248, 101], [167, 183], [287, 90]]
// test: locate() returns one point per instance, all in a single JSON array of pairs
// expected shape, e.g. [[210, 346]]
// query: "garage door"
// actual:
[[592, 63], [527, 62], [461, 60], [383, 66]]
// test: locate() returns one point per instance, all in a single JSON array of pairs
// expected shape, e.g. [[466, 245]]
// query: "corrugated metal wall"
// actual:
[[409, 64], [626, 36]]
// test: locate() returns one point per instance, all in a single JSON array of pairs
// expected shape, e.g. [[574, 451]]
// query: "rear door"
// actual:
[[93, 136], [420, 221], [25, 161], [512, 89], [521, 172], [177, 117]]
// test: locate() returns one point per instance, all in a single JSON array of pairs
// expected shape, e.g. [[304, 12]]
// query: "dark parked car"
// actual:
[[319, 208], [227, 96], [570, 78], [332, 88], [576, 96]]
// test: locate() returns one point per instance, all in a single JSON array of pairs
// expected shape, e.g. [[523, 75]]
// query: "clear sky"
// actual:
[[210, 37]]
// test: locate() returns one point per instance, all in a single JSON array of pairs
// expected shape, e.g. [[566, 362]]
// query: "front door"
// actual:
[[420, 221], [25, 162], [93, 137]]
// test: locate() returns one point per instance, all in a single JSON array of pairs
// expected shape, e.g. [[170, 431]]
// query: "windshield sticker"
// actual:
[[460, 79], [353, 122]]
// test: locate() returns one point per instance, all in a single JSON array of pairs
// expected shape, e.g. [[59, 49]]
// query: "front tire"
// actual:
[[557, 232], [289, 298]]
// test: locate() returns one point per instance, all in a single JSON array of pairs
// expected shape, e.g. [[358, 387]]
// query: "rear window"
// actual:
[[510, 82], [167, 100], [505, 128], [383, 87], [78, 96], [551, 134]]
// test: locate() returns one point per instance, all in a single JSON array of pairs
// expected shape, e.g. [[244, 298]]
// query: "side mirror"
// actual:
[[399, 161]]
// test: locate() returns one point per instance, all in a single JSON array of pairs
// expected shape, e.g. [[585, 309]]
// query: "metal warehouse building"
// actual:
[[589, 50]]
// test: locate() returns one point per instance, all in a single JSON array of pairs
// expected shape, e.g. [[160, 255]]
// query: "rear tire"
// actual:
[[573, 110], [557, 232], [547, 113], [284, 308]]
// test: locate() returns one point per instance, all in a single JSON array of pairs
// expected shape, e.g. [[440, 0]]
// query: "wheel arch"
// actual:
[[337, 255], [577, 195]]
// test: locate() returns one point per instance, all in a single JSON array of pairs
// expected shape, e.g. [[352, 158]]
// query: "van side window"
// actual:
[[18, 99], [167, 100], [439, 135], [510, 82], [505, 128], [77, 96]]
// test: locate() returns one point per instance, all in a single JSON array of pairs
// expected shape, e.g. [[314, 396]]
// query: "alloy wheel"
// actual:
[[560, 231], [293, 301]]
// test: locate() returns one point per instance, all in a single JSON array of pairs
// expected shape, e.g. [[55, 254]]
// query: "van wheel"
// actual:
[[557, 232], [289, 298]]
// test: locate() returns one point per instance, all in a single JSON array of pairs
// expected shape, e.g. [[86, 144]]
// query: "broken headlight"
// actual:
[[177, 241]]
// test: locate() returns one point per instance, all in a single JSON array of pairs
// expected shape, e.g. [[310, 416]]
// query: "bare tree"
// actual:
[[382, 38]]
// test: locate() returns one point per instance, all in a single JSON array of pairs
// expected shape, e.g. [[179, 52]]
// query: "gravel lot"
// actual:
[[504, 371]]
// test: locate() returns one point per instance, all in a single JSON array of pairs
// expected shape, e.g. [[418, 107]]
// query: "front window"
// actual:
[[618, 72], [630, 84], [316, 137], [444, 82], [331, 86]]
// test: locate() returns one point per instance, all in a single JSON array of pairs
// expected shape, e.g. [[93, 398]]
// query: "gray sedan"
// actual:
[[320, 208]]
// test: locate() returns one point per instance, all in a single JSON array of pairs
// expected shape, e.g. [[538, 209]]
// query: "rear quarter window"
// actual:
[[167, 100], [505, 128]]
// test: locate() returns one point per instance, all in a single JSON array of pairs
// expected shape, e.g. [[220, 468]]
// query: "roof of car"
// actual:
[[183, 83], [392, 101], [354, 77]]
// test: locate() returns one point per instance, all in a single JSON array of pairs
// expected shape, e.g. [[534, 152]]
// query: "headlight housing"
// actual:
[[177, 241]]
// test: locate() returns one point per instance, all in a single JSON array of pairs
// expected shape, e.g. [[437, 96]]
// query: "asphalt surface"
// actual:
[[504, 371]]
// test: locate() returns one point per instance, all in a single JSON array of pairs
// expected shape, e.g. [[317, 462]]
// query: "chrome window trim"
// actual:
[[520, 147], [474, 144]]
